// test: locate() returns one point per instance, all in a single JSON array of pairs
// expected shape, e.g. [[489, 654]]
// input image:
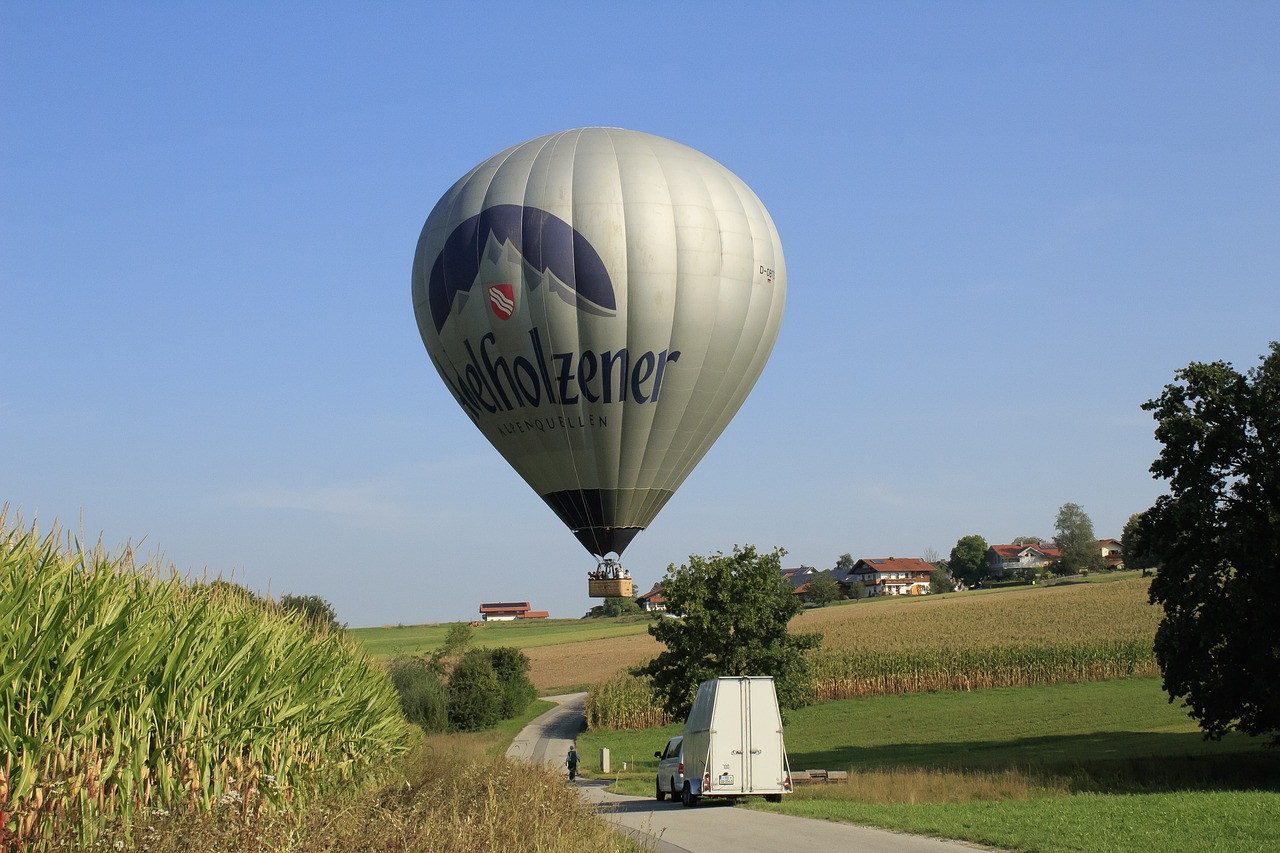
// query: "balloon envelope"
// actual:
[[600, 302]]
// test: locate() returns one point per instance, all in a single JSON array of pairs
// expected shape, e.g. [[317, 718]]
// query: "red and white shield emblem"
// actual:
[[502, 299]]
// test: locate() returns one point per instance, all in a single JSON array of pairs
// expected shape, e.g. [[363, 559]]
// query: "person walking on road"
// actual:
[[572, 761]]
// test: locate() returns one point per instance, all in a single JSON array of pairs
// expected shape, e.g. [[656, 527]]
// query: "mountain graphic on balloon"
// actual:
[[600, 302]]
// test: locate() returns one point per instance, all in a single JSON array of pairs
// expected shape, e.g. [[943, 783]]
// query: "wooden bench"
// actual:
[[818, 777]]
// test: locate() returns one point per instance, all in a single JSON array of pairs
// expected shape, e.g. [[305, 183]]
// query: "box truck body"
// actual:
[[733, 744]]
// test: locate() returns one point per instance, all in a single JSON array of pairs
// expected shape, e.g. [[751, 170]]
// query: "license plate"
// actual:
[[725, 779]]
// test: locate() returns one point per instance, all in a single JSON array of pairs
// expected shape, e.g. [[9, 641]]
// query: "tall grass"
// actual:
[[127, 692], [447, 796]]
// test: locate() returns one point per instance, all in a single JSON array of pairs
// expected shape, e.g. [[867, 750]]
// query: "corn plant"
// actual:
[[624, 701], [847, 675], [125, 689]]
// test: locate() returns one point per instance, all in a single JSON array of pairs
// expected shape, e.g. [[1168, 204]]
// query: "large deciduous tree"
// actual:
[[1133, 548], [968, 561], [1080, 548], [732, 612], [1217, 537]]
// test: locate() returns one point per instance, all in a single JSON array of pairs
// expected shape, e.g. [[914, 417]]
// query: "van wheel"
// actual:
[[687, 799], [658, 793]]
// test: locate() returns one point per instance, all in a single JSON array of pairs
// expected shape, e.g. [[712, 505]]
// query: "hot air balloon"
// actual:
[[600, 302]]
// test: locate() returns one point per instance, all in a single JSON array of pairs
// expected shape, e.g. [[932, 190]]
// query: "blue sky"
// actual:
[[1006, 226]]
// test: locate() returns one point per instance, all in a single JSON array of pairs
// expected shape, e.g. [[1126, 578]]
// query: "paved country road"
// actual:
[[710, 827]]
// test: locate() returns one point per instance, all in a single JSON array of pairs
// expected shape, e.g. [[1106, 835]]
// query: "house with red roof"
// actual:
[[507, 611], [890, 575], [799, 578], [652, 600], [1112, 552], [1005, 560]]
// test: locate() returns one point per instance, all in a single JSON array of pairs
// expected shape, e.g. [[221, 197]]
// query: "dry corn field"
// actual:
[[1036, 635], [128, 693], [1077, 632], [1065, 614]]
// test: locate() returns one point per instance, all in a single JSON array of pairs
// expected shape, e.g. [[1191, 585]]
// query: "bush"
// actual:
[[475, 701], [512, 668], [423, 697]]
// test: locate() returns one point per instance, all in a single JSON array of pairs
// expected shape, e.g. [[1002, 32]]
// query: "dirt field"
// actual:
[[554, 668]]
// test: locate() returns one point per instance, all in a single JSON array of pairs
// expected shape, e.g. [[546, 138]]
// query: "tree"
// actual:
[[1131, 545], [1080, 549], [857, 591], [1027, 540], [969, 559], [315, 611], [456, 642], [845, 563], [1217, 537], [940, 582], [733, 612], [822, 590]]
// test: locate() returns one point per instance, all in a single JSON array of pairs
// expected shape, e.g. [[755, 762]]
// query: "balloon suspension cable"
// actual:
[[609, 569]]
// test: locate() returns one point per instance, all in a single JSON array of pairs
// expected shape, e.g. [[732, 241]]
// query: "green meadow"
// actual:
[[390, 640], [1108, 765]]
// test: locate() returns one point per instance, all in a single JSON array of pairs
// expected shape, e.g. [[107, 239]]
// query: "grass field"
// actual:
[[391, 640], [1075, 767]]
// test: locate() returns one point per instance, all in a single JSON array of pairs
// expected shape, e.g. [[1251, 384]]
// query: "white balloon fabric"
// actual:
[[600, 302]]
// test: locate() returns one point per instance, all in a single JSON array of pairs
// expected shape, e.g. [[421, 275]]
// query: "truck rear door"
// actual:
[[763, 742]]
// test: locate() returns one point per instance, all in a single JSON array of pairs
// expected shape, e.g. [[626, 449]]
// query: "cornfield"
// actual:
[[1058, 615], [851, 675], [127, 692], [624, 701], [1085, 632]]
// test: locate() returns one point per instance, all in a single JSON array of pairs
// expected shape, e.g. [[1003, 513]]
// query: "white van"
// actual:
[[732, 744]]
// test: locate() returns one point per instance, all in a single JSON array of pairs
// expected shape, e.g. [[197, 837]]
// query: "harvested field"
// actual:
[[554, 668]]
